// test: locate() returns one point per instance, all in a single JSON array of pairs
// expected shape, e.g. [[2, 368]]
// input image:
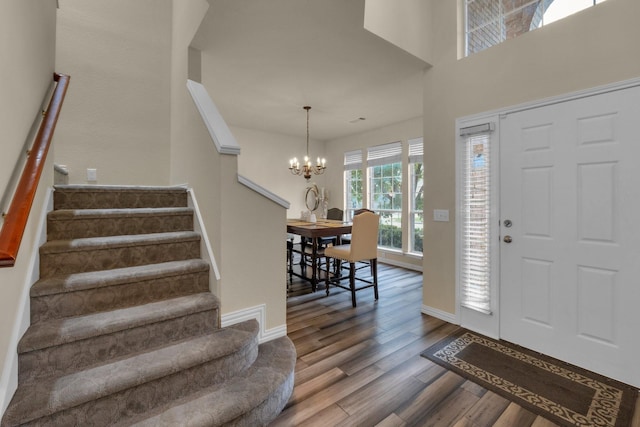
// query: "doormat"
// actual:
[[563, 393]]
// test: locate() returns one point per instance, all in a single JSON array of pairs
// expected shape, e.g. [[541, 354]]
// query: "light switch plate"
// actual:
[[92, 174], [441, 215]]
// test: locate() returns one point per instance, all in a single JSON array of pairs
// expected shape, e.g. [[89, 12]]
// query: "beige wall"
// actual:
[[27, 55], [591, 48], [265, 160], [253, 263], [401, 22], [117, 113], [193, 160], [249, 227], [27, 46]]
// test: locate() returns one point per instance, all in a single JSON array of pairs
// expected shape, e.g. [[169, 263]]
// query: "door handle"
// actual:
[[507, 239]]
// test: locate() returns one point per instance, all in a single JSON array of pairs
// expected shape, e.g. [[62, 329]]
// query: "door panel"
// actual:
[[569, 180]]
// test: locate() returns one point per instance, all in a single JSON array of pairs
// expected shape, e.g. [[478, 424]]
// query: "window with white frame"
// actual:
[[416, 201], [475, 218], [385, 191], [353, 184], [490, 22]]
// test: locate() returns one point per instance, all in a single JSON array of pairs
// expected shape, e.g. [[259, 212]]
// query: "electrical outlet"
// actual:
[[92, 174], [441, 215]]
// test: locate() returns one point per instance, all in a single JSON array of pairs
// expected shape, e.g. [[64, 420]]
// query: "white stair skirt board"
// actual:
[[9, 374]]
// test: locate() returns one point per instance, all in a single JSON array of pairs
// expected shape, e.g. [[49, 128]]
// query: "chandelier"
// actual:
[[306, 169]]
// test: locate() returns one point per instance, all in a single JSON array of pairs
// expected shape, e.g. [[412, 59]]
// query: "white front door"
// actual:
[[570, 207]]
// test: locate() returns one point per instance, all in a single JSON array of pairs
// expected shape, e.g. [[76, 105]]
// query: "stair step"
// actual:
[[103, 394], [254, 398], [59, 257], [59, 346], [80, 223], [117, 197], [94, 291]]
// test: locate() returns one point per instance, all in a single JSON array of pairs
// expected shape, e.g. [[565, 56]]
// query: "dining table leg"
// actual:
[[314, 264]]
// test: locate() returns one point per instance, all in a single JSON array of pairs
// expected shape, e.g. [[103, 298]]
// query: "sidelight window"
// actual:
[[475, 217]]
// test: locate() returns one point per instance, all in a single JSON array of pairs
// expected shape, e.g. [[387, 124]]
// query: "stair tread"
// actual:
[[238, 396], [41, 398], [60, 331], [66, 214], [88, 243], [100, 278]]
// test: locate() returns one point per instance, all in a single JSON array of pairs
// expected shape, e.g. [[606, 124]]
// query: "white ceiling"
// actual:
[[263, 60]]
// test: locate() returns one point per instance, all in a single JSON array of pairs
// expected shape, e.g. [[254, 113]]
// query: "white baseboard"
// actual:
[[396, 263], [442, 315], [258, 313]]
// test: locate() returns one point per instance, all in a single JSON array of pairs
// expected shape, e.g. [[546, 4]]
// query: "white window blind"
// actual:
[[416, 150], [353, 160], [475, 271], [384, 154]]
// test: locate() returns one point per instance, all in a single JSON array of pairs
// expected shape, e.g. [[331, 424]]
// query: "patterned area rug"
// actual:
[[563, 393]]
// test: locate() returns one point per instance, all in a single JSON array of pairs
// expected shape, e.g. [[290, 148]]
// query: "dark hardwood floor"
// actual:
[[362, 366]]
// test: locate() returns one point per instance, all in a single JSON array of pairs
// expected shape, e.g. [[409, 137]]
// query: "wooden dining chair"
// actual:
[[335, 214], [363, 247], [323, 242]]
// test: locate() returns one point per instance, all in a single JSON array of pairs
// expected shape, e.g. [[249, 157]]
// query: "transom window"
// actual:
[[490, 22]]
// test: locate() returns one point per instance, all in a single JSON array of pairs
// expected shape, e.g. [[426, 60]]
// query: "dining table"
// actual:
[[313, 231]]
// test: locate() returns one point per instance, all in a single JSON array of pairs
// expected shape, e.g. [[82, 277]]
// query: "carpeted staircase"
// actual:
[[124, 330]]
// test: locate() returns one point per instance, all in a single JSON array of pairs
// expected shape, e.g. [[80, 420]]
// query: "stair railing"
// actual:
[[15, 219]]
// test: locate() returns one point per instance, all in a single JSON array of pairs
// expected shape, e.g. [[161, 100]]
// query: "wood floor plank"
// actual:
[[419, 408], [316, 384], [329, 363], [515, 415], [381, 397], [330, 416], [431, 374], [451, 409], [543, 422], [392, 421], [377, 352], [343, 341], [415, 347], [488, 409], [311, 406]]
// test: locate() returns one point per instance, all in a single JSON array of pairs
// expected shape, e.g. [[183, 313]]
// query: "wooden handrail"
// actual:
[[15, 221]]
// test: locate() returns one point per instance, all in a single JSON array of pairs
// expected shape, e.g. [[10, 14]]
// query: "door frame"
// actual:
[[479, 323]]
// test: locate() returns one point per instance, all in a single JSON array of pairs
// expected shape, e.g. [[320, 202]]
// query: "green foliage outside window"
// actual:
[[417, 217], [391, 237], [386, 199]]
